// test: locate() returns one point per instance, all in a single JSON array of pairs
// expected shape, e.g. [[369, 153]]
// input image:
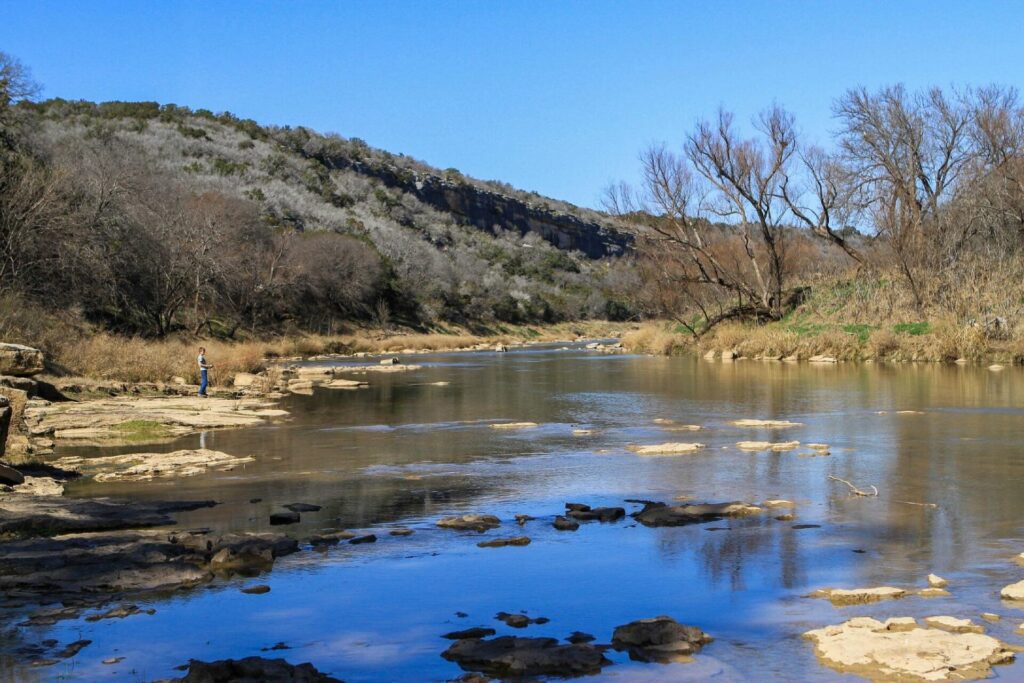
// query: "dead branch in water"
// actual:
[[910, 502], [854, 490]]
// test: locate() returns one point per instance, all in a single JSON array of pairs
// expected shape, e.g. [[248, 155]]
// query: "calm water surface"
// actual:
[[405, 452]]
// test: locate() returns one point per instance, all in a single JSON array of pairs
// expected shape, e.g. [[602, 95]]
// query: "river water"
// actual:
[[407, 451]]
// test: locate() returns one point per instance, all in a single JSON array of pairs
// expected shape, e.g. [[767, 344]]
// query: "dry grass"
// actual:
[[132, 359], [654, 338]]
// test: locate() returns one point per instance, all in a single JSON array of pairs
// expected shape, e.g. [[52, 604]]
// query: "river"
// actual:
[[942, 444]]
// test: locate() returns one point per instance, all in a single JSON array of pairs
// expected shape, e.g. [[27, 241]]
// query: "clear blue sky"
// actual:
[[557, 97]]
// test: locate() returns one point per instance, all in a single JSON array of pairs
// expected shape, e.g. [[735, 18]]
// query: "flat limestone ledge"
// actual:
[[146, 466], [900, 649], [139, 420]]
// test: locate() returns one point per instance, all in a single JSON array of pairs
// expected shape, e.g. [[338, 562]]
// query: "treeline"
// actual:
[[150, 219], [919, 191]]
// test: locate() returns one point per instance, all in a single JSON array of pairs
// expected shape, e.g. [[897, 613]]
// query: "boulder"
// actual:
[[253, 669], [869, 648], [519, 620], [478, 523], [10, 476], [565, 524], [515, 657], [20, 361], [661, 639], [659, 514]]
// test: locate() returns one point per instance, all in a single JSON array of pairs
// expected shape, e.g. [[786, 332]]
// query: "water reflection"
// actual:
[[406, 451]]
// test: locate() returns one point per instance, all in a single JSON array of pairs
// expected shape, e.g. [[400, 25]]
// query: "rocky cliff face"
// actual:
[[493, 212]]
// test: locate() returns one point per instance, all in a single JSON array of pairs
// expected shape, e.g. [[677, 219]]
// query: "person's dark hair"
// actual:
[[202, 349]]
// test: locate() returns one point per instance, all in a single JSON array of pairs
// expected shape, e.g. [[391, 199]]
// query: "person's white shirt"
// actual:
[[202, 361]]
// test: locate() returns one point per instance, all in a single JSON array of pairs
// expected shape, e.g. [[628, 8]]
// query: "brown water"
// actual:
[[406, 452]]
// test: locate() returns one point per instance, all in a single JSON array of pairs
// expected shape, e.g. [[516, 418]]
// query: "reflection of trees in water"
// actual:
[[764, 550]]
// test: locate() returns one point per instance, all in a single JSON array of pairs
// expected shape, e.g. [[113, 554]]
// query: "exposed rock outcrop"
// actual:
[[660, 514], [515, 657], [899, 649], [254, 669], [20, 361]]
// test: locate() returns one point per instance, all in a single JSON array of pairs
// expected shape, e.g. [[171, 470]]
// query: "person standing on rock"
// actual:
[[204, 376]]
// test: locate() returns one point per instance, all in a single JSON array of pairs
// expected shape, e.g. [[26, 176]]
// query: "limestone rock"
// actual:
[[585, 513], [667, 448], [513, 425], [954, 625], [145, 466], [565, 524], [1015, 591], [20, 361], [865, 647], [769, 424], [843, 597], [777, 447]]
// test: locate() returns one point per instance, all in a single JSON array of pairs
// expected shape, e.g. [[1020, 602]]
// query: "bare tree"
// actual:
[[907, 153]]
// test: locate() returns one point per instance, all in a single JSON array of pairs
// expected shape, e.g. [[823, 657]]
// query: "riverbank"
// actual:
[[833, 341], [111, 357]]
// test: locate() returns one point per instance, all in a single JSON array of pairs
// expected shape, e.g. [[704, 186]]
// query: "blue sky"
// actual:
[[557, 97]]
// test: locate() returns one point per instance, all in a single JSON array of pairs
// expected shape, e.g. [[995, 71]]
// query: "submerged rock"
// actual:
[[580, 637], [475, 632], [254, 669], [120, 613], [660, 514], [515, 657], [502, 542], [368, 538], [281, 518], [479, 523], [869, 648], [302, 507], [843, 597], [661, 639], [565, 524]]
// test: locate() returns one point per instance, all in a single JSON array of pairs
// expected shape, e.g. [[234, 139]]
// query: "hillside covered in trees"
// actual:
[[149, 219]]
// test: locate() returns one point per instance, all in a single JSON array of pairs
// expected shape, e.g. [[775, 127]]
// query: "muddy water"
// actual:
[[406, 451]]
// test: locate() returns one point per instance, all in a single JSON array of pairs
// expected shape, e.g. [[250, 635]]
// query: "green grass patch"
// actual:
[[913, 329], [863, 331]]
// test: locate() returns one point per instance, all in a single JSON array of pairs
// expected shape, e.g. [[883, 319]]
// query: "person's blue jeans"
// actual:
[[204, 382]]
